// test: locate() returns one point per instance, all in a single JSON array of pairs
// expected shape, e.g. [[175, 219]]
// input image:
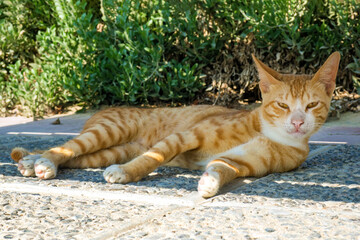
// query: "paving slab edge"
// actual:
[[189, 200]]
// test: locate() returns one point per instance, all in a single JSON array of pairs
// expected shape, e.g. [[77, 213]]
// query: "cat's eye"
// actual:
[[283, 105], [312, 105]]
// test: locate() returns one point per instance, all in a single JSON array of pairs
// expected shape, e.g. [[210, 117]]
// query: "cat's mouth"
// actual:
[[297, 133]]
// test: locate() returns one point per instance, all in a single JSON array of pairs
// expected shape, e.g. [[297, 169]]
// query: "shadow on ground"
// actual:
[[330, 176]]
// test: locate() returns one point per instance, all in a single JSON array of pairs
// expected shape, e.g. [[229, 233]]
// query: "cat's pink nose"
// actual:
[[297, 124]]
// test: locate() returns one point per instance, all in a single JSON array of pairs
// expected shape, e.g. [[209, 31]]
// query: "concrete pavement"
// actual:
[[320, 200]]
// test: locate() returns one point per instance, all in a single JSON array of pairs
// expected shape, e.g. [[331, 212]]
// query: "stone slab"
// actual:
[[319, 200]]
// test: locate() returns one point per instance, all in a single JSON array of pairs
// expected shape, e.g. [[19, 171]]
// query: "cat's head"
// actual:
[[296, 106]]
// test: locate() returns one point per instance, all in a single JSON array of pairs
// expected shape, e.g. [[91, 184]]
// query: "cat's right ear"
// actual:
[[267, 75]]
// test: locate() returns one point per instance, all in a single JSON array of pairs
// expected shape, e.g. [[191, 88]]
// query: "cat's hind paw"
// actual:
[[116, 174], [45, 169], [209, 183], [26, 165]]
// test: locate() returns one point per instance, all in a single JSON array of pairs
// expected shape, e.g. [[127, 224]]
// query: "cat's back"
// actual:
[[166, 120], [191, 116], [186, 111]]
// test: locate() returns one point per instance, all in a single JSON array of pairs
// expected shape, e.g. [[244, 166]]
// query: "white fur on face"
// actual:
[[283, 130]]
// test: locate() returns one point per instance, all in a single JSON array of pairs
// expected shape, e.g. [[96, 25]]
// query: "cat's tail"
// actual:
[[19, 153]]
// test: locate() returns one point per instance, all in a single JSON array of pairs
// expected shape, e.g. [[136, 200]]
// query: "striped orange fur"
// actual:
[[226, 143]]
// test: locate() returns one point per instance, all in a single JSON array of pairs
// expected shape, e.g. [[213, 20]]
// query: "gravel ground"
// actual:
[[33, 216], [320, 200], [252, 222]]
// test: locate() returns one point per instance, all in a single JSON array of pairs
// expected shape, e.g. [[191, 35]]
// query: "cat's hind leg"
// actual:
[[45, 169], [26, 165], [106, 157], [25, 160], [102, 158], [100, 134]]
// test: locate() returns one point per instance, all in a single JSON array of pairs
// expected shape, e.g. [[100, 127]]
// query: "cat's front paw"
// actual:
[[209, 183], [45, 169], [116, 174], [26, 165]]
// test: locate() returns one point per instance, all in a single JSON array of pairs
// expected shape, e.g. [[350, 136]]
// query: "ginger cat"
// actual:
[[226, 143]]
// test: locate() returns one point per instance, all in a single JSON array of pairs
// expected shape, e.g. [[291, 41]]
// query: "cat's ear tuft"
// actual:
[[327, 73], [267, 75]]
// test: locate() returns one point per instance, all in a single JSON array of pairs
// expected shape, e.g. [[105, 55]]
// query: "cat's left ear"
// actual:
[[327, 73]]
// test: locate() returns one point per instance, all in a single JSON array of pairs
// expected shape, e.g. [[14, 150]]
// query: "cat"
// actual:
[[225, 143]]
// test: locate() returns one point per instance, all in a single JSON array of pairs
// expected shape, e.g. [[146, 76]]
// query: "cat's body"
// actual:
[[226, 143]]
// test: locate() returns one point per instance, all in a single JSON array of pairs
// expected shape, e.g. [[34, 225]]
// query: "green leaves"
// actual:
[[55, 53], [127, 62], [43, 55]]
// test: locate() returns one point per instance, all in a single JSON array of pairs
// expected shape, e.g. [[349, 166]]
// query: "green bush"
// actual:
[[34, 80], [309, 30], [62, 52], [127, 62]]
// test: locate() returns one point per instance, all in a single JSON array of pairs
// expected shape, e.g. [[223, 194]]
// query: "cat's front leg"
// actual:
[[132, 171], [248, 160], [209, 183], [159, 154], [216, 175], [116, 174]]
